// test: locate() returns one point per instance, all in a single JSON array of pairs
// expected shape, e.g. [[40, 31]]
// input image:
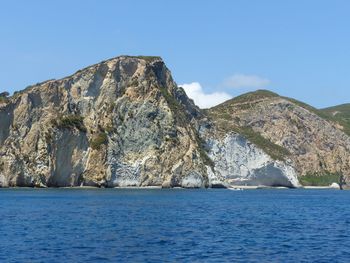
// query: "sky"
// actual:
[[214, 49]]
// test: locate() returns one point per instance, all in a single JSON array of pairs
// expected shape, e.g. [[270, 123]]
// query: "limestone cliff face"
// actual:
[[314, 144], [124, 122], [239, 162]]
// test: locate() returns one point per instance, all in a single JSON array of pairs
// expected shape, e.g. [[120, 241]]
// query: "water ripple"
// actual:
[[117, 225]]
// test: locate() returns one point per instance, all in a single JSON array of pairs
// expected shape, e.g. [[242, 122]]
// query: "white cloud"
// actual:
[[246, 81], [204, 100]]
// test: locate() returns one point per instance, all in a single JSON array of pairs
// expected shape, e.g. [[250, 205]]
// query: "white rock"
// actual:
[[240, 162], [335, 186]]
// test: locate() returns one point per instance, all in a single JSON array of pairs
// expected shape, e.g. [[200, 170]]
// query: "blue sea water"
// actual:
[[175, 225]]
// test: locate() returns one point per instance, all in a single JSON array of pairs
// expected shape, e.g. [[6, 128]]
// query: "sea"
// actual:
[[174, 225]]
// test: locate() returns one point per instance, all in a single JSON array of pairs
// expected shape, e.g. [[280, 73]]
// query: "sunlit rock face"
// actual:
[[239, 162], [123, 122], [314, 142]]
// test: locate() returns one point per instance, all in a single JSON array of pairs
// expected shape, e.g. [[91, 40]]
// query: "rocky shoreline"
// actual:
[[231, 187]]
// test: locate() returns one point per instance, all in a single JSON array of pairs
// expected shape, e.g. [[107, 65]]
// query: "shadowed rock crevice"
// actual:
[[6, 117]]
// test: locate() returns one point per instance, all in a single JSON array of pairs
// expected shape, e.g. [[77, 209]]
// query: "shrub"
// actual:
[[134, 82], [109, 128], [4, 97], [98, 140], [3, 100], [70, 122], [4, 94], [148, 58], [320, 179], [203, 151], [276, 151]]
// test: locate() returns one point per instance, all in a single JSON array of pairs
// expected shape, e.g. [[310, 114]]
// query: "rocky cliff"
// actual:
[[339, 114], [125, 122], [122, 122], [314, 143]]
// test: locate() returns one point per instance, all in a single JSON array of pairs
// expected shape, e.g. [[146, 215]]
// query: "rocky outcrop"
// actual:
[[239, 162], [313, 143], [122, 122], [125, 122]]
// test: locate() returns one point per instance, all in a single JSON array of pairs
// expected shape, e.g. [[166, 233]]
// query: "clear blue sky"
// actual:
[[301, 47]]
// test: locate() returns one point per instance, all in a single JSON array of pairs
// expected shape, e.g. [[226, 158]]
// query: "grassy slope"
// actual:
[[340, 114], [342, 109], [320, 179], [247, 97], [342, 117]]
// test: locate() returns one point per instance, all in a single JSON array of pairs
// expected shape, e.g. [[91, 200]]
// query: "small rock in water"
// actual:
[[335, 186]]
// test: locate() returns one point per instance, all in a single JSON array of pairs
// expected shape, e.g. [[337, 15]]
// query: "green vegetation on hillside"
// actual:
[[98, 140], [320, 179], [250, 97], [3, 100], [255, 95], [343, 109], [172, 102], [340, 114], [179, 111], [175, 106], [226, 121], [225, 113], [276, 152], [247, 99], [69, 122], [203, 152], [4, 94], [4, 97], [148, 58]]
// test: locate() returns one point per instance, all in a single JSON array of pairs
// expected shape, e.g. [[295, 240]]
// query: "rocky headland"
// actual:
[[125, 122]]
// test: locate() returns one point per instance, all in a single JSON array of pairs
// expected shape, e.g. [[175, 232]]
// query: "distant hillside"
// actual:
[[124, 122], [289, 129], [340, 114]]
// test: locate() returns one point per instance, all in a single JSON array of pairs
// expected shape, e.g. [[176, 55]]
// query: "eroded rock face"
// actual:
[[123, 122], [316, 145], [239, 162], [117, 123]]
